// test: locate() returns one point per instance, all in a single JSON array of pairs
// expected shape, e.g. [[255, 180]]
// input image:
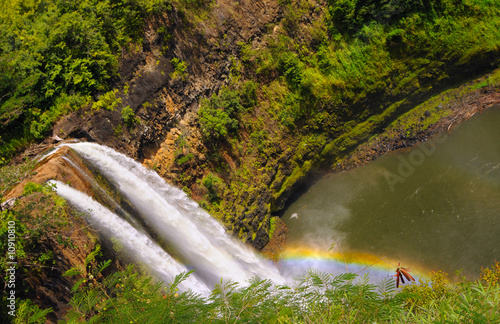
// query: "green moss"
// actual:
[[361, 132], [298, 174], [242, 233], [436, 108]]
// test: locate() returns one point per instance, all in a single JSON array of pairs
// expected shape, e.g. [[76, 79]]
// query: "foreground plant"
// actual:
[[127, 297]]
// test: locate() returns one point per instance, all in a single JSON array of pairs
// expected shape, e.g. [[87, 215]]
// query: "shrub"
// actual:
[[424, 293], [126, 295], [180, 68], [249, 94], [108, 101], [217, 116], [291, 67], [128, 116], [181, 159], [215, 123], [491, 276], [214, 185]]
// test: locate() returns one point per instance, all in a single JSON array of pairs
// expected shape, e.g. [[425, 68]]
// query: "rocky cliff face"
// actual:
[[164, 129], [161, 98]]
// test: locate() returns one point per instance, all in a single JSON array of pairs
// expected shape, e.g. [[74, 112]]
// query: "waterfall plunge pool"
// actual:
[[434, 207]]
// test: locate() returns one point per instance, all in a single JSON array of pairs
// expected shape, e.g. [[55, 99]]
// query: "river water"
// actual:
[[434, 207]]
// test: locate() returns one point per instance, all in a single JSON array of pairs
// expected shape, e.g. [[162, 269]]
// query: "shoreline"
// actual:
[[398, 136]]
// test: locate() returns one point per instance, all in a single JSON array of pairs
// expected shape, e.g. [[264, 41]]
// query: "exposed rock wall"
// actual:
[[165, 104], [148, 85]]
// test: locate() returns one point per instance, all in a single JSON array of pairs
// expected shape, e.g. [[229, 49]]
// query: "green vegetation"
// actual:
[[14, 174], [180, 68], [272, 226], [108, 101], [35, 226], [55, 55], [39, 222], [214, 185], [185, 158], [325, 86], [125, 297], [327, 78], [371, 50], [128, 116], [218, 116], [430, 112]]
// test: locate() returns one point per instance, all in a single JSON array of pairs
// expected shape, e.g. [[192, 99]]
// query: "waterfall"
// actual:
[[137, 245], [173, 219]]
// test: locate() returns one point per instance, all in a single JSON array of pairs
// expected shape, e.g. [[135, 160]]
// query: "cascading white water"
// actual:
[[137, 245], [199, 239], [111, 203]]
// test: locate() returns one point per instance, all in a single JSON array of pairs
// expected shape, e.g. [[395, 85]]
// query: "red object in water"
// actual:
[[402, 273]]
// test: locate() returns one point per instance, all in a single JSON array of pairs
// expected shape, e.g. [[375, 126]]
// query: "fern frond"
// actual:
[[92, 255], [101, 266], [387, 287], [178, 279], [77, 284], [74, 271]]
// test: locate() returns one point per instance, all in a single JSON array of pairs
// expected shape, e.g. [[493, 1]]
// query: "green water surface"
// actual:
[[435, 207]]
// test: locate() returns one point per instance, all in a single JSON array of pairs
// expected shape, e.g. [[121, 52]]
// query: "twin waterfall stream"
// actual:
[[162, 219]]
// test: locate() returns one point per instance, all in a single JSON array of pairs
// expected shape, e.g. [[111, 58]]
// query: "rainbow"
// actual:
[[295, 261]]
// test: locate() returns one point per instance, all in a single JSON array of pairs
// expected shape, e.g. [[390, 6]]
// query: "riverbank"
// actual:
[[437, 115]]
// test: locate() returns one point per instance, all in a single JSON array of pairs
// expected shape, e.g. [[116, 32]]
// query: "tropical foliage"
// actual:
[[42, 224], [339, 78], [56, 55], [126, 297], [371, 49], [218, 115]]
